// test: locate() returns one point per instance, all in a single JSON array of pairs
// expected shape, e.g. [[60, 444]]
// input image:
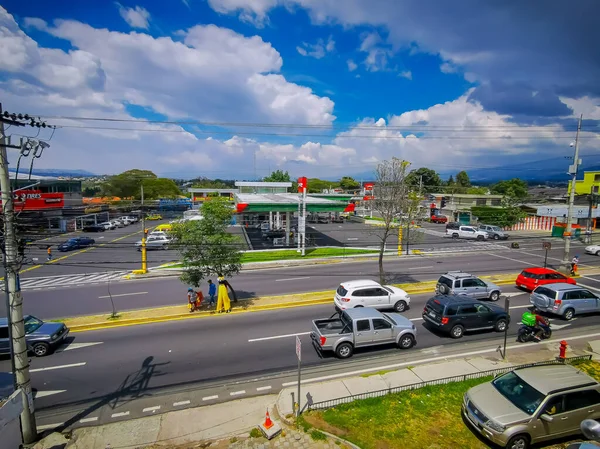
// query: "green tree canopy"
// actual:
[[462, 179], [431, 180], [160, 188], [278, 176], [205, 246], [205, 183], [316, 185], [126, 184], [349, 183], [515, 187], [477, 190], [506, 216]]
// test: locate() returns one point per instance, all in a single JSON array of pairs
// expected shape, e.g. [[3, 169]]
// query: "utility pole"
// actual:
[[144, 250], [573, 172], [19, 354]]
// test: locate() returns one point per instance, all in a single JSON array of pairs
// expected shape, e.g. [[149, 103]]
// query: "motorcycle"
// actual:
[[527, 333]]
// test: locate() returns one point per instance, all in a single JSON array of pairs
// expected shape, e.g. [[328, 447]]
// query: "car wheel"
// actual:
[[344, 351], [597, 253], [457, 331], [518, 442], [400, 306], [480, 237], [568, 315], [500, 325], [495, 296], [496, 237], [406, 342], [41, 349], [455, 235]]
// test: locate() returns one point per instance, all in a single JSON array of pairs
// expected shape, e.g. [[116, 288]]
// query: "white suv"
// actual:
[[368, 293]]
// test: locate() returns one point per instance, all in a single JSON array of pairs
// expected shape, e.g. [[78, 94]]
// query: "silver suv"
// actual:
[[531, 405], [461, 283], [564, 299], [495, 232]]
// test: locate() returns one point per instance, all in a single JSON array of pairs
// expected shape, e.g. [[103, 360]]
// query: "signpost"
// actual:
[[299, 355], [501, 350], [546, 246]]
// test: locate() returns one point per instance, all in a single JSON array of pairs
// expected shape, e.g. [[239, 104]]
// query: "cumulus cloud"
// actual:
[[377, 51], [250, 11], [317, 50], [352, 66], [406, 74], [137, 17]]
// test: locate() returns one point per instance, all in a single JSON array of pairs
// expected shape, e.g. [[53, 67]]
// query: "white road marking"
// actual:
[[210, 398], [50, 368], [49, 426], [430, 359], [589, 287], [237, 393], [177, 404], [84, 420], [263, 388], [514, 260], [419, 268], [123, 294], [521, 307], [151, 409], [291, 279], [118, 415], [43, 394], [511, 294], [353, 238], [77, 346], [276, 337]]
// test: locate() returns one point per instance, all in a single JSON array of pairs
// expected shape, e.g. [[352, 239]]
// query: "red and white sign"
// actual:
[[369, 186], [36, 200], [302, 184]]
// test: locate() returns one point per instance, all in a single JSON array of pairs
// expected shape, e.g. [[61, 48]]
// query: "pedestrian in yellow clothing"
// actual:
[[223, 301]]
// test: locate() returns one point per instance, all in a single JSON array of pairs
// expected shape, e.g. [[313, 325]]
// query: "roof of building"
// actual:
[[466, 195], [199, 190], [262, 184], [278, 198], [285, 202], [35, 177]]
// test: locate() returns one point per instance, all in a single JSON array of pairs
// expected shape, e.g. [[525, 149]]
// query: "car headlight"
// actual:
[[495, 426]]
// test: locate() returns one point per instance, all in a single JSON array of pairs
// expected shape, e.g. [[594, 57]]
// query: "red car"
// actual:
[[439, 219], [530, 278]]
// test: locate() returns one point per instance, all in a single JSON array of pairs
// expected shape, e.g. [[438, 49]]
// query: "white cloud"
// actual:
[[406, 74], [137, 17], [250, 11], [317, 50], [589, 107], [351, 65], [378, 54]]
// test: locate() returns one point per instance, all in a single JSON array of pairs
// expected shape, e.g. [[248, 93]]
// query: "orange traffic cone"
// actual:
[[268, 423]]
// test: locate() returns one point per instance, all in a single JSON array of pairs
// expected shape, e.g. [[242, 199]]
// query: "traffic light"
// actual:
[[145, 232], [443, 202]]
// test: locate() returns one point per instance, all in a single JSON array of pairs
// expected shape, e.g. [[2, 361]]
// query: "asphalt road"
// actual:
[[62, 300], [114, 367]]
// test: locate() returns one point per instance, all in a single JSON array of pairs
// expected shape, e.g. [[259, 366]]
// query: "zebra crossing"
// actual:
[[467, 247], [69, 280]]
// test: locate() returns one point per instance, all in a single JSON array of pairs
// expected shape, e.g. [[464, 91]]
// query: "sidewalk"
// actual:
[[233, 424]]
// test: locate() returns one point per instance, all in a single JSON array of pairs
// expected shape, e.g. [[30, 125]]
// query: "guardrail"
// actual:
[[374, 394]]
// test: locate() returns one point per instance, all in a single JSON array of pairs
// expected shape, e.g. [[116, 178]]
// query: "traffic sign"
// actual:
[[298, 348], [546, 245]]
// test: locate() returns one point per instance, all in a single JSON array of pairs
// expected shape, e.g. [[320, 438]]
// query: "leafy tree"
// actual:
[[316, 185], [90, 189], [348, 183], [390, 200], [126, 184], [507, 215], [515, 187], [278, 176], [205, 183], [431, 181], [159, 188], [477, 190], [206, 248], [451, 186], [462, 179]]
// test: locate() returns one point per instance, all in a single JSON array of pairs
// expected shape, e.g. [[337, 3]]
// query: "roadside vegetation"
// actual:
[[426, 418]]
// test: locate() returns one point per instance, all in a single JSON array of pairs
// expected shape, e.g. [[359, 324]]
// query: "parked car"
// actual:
[[164, 227], [593, 249], [158, 234], [131, 218], [368, 293], [356, 328], [126, 220], [461, 283], [153, 217], [94, 228], [457, 314], [154, 242], [530, 278], [76, 243], [453, 225], [528, 406], [565, 300], [41, 337], [118, 223], [438, 219], [108, 225], [494, 232], [466, 232]]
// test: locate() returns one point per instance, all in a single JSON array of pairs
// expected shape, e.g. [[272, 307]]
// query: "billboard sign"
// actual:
[[36, 200], [302, 184], [369, 186]]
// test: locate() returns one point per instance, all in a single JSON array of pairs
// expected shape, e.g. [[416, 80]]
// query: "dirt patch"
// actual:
[[316, 420]]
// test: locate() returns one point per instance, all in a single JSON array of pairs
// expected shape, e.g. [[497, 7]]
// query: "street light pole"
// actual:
[[144, 251], [573, 172]]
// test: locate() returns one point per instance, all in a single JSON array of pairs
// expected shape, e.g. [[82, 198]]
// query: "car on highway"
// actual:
[[494, 232], [530, 278], [41, 337], [76, 243], [362, 327], [466, 232], [565, 300], [154, 242], [164, 227], [93, 228], [593, 249], [457, 314], [529, 406], [153, 217], [368, 293], [438, 219], [466, 284]]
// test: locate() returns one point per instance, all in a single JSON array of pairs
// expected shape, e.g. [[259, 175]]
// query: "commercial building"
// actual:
[[589, 183]]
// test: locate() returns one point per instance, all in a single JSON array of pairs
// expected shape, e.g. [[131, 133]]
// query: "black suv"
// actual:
[[456, 314]]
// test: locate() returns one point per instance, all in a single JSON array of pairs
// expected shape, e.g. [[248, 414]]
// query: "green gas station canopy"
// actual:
[[288, 202]]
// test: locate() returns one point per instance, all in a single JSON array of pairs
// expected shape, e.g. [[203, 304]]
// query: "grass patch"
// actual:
[[378, 373], [426, 418], [317, 435], [255, 433]]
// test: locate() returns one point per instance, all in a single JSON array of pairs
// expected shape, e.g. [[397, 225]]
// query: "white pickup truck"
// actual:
[[467, 232]]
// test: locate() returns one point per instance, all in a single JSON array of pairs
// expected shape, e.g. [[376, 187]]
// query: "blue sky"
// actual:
[[443, 85]]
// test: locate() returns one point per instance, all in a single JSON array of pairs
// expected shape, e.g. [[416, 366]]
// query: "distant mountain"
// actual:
[[59, 172]]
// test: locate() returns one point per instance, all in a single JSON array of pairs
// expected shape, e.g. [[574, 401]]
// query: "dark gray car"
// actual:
[[41, 337]]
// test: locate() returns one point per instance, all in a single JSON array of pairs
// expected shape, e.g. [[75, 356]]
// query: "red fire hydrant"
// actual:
[[563, 350]]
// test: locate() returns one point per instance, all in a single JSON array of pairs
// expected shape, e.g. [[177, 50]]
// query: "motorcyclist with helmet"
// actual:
[[537, 322]]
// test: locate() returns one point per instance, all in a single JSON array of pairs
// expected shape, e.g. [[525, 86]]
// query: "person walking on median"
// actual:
[[191, 297], [574, 267], [223, 301], [212, 292], [49, 251]]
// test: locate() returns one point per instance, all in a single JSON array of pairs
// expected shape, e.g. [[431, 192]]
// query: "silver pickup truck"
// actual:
[[360, 327]]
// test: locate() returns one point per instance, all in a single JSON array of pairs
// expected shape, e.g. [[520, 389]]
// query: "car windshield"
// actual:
[[494, 228], [71, 241], [389, 318], [519, 393], [388, 289], [32, 324]]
